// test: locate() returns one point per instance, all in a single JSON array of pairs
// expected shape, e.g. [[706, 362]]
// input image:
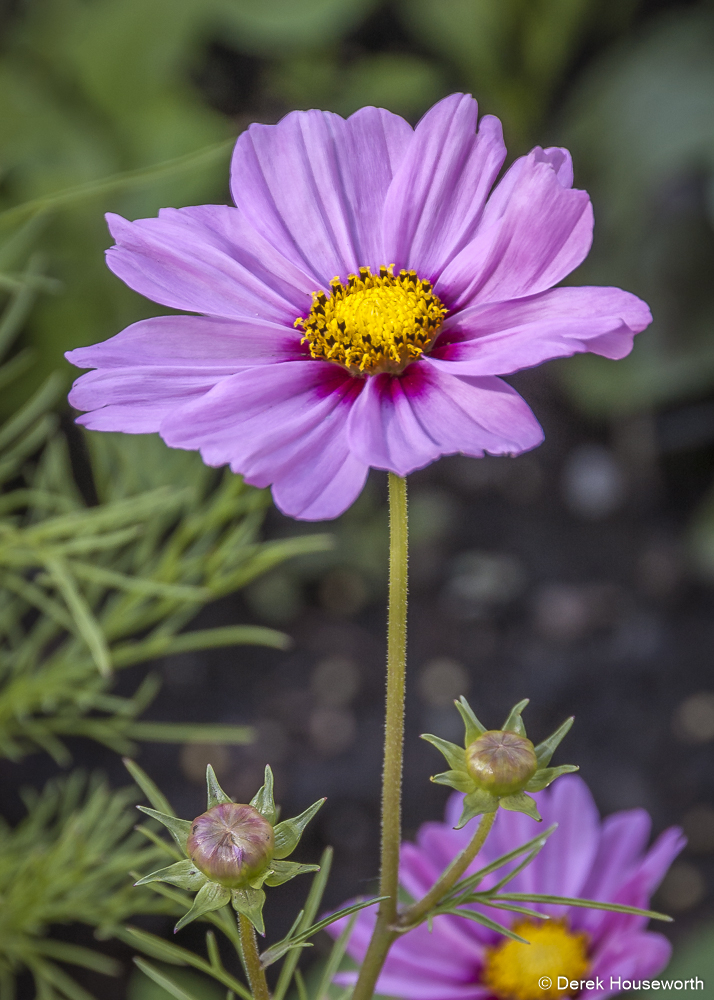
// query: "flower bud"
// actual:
[[501, 762], [231, 844]]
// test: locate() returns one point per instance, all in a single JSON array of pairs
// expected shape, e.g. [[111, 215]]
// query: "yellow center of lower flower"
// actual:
[[373, 323], [541, 970]]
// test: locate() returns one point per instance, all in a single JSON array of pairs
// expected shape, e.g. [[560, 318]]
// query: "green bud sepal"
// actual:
[[497, 767], [183, 874], [210, 897], [250, 903], [232, 850]]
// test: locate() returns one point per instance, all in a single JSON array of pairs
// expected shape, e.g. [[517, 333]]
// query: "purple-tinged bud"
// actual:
[[231, 844], [501, 762]]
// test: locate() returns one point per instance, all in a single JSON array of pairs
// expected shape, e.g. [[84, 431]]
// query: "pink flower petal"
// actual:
[[156, 366], [137, 400], [660, 856], [418, 869], [402, 424], [565, 862], [437, 196], [193, 342], [283, 424], [627, 956], [208, 259], [622, 840], [314, 186], [504, 337], [416, 969], [533, 233]]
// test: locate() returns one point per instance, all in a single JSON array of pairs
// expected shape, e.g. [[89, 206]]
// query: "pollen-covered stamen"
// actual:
[[373, 323], [544, 969]]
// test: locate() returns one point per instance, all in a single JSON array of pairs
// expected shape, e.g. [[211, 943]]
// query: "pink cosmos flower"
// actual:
[[608, 860], [356, 306]]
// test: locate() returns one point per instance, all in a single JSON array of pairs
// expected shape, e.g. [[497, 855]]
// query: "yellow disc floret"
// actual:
[[373, 323], [556, 957]]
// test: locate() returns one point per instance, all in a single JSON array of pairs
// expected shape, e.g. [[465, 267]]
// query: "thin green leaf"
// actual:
[[230, 635], [276, 951], [133, 584], [312, 906], [593, 904], [334, 958], [188, 732], [167, 951], [300, 984], [537, 843], [289, 832], [529, 859], [474, 728], [115, 182], [214, 955], [479, 918], [162, 844], [76, 954], [164, 981], [37, 597], [36, 406], [208, 638], [86, 623], [154, 946], [53, 974], [155, 796], [512, 908]]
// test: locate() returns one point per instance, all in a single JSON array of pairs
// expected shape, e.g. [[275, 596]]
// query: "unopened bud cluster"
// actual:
[[500, 762], [233, 850], [497, 767], [231, 844]]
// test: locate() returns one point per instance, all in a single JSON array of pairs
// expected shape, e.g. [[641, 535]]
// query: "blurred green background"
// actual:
[[544, 563]]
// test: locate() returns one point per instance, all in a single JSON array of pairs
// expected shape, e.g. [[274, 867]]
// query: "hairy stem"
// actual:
[[383, 935], [256, 974], [448, 879]]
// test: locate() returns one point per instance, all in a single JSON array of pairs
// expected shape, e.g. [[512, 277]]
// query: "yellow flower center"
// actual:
[[373, 323], [541, 970]]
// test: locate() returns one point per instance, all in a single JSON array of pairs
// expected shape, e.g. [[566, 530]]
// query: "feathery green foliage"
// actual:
[[90, 589], [67, 861]]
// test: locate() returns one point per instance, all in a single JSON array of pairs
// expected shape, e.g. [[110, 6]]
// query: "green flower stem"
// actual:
[[256, 973], [448, 879], [383, 936]]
